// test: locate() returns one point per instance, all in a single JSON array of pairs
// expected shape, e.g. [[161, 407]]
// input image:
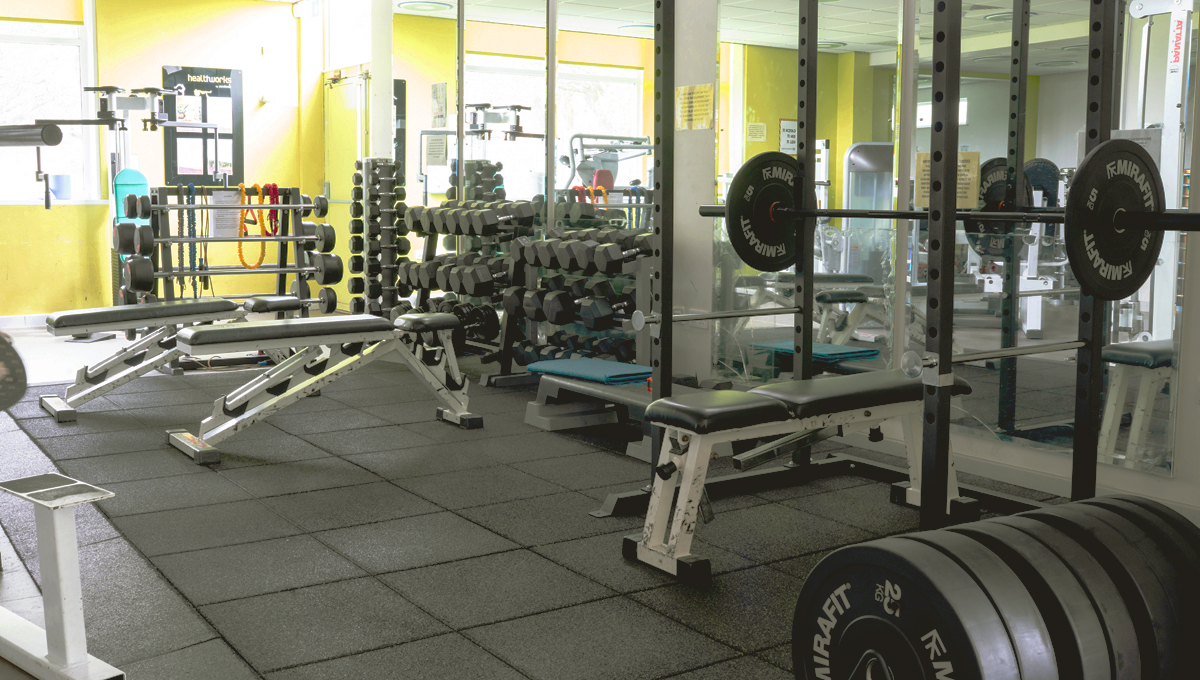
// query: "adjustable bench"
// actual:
[[153, 350], [423, 341], [813, 409], [836, 327], [1151, 364]]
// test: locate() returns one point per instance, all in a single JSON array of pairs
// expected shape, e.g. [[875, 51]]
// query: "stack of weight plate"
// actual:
[[1103, 588]]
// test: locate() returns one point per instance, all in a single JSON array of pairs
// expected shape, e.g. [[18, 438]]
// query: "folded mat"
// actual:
[[822, 352], [593, 370]]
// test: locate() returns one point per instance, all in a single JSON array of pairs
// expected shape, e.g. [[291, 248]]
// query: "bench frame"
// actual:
[[675, 501], [1120, 378], [306, 372], [155, 349]]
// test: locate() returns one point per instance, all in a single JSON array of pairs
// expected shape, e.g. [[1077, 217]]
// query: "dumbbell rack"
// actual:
[[481, 180], [160, 222], [377, 240], [629, 201]]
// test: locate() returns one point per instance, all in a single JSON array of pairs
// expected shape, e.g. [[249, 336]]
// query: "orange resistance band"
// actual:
[[242, 231]]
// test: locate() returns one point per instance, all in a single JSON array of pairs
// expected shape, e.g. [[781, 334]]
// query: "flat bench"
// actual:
[[695, 423], [1148, 363], [152, 351], [330, 348]]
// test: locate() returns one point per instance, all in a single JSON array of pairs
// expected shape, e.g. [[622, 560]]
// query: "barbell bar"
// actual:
[[139, 239], [141, 206], [1114, 216], [325, 268]]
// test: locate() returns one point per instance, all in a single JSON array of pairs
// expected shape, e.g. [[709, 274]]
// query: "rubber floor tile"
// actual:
[[480, 486], [600, 559], [8, 423], [800, 567], [224, 377], [444, 657], [499, 402], [548, 519], [780, 656], [588, 470], [33, 409], [282, 448], [128, 467], [324, 421], [248, 569], [741, 667], [499, 425], [493, 588], [534, 446], [404, 413], [304, 475], [380, 396], [613, 638], [317, 404], [362, 381], [152, 382], [81, 446], [349, 505], [87, 423], [425, 460], [369, 440], [134, 613], [766, 533], [208, 526], [319, 622], [166, 417], [163, 398], [816, 486], [212, 660], [170, 493], [413, 542], [867, 507], [748, 610]]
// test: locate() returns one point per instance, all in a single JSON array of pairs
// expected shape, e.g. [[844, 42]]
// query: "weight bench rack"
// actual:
[[796, 412], [153, 350], [352, 342]]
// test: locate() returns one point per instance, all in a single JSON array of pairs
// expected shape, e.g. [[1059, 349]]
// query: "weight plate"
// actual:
[[1117, 176], [12, 374], [1026, 627], [988, 238], [1185, 526], [763, 241], [1042, 175], [1148, 604], [921, 612], [1080, 643], [1123, 644]]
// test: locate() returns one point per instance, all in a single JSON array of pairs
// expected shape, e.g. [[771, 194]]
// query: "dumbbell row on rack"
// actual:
[[602, 250], [574, 347], [372, 247], [373, 229], [470, 218], [594, 304], [139, 239]]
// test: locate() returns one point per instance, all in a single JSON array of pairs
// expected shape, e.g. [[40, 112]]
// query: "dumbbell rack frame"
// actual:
[[389, 296]]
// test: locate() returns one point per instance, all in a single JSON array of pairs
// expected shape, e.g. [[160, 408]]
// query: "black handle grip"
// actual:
[[712, 211]]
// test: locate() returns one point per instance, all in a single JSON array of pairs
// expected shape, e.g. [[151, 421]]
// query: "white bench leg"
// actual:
[[856, 316], [666, 544], [62, 594], [913, 442], [1114, 406], [1143, 412], [823, 329]]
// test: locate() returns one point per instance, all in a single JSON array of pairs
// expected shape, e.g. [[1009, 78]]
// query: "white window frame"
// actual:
[[86, 43], [927, 109]]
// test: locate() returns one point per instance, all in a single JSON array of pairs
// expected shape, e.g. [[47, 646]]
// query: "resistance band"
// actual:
[[273, 215], [242, 231], [191, 218]]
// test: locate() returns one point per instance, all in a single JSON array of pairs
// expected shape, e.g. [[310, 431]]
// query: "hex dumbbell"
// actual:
[[609, 258], [600, 312]]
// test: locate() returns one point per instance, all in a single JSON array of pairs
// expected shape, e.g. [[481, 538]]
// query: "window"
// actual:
[[925, 113], [46, 67]]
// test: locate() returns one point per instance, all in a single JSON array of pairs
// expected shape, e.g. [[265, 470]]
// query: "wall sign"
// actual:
[[788, 131], [191, 155]]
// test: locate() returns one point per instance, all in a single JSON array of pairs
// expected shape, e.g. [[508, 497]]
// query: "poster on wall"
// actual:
[[439, 105], [203, 155], [694, 107], [788, 131], [968, 180]]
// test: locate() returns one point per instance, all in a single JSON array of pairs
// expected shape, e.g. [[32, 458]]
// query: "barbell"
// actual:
[[141, 207], [325, 268], [139, 239], [1114, 218]]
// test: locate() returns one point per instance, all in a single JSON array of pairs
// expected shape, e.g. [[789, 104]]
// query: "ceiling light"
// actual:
[[1057, 63], [424, 6], [1003, 16], [830, 45], [640, 30], [996, 57], [1082, 47]]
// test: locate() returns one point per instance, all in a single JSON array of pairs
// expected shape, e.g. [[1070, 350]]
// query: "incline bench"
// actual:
[[1148, 363], [423, 341], [154, 350], [696, 423]]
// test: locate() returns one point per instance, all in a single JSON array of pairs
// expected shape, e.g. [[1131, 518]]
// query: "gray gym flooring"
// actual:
[[352, 536]]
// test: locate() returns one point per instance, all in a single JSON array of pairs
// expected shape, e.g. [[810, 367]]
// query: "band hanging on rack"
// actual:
[[242, 231]]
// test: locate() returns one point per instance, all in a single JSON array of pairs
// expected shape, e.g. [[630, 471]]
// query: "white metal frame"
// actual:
[[1120, 378], [671, 520]]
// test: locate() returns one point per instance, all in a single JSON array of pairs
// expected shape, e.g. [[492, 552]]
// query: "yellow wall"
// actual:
[[65, 11], [54, 259]]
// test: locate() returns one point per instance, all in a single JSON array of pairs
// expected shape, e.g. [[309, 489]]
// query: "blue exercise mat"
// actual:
[[593, 370], [822, 352]]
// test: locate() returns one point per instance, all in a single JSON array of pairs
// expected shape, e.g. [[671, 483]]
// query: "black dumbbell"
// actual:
[[365, 288], [513, 301], [482, 321], [487, 221], [442, 277], [574, 255], [400, 309], [363, 306], [427, 272], [365, 265], [609, 258], [562, 306], [599, 313], [480, 280]]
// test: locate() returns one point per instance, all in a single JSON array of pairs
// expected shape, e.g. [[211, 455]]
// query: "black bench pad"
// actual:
[[283, 329], [1153, 354], [808, 398], [716, 410], [135, 314], [272, 303], [424, 323], [835, 297]]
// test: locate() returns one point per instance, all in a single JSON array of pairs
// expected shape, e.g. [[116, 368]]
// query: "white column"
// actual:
[[905, 126], [551, 109], [380, 115], [695, 165], [62, 595]]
